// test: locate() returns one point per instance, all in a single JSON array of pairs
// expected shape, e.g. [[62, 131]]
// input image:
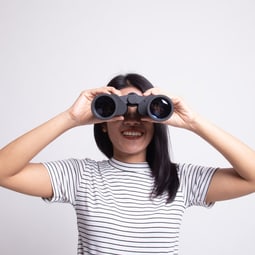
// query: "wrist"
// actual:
[[197, 123], [67, 120]]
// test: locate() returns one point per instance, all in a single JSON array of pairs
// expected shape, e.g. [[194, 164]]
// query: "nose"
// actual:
[[132, 117]]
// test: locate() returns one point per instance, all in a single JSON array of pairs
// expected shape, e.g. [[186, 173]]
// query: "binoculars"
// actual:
[[157, 107]]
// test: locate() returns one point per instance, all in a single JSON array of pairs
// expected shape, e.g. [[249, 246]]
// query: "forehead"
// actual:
[[130, 89]]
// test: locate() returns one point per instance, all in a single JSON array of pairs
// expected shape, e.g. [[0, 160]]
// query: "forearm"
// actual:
[[20, 152], [239, 155]]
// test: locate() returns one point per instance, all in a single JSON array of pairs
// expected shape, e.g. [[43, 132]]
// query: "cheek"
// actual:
[[151, 132], [112, 130]]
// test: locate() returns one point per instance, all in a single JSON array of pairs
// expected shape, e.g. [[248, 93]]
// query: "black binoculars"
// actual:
[[157, 107]]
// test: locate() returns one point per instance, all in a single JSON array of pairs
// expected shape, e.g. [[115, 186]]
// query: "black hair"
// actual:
[[163, 169]]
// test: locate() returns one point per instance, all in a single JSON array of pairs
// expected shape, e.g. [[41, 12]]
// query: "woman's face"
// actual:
[[131, 136]]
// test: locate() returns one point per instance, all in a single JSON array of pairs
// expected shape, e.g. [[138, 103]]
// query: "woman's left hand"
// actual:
[[182, 117]]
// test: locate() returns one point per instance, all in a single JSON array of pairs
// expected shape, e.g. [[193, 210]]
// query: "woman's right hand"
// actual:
[[80, 111]]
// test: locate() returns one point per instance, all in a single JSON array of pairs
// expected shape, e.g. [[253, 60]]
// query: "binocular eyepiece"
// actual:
[[157, 107]]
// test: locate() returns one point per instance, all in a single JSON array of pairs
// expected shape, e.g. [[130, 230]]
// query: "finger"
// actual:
[[102, 90], [152, 91], [116, 118], [148, 119], [112, 90]]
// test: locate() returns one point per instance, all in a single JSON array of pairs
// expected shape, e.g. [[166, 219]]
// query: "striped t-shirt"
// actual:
[[115, 211]]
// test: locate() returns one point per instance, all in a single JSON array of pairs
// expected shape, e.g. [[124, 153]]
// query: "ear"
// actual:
[[104, 128]]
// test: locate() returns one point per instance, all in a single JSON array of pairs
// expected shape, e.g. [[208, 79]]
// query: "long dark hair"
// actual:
[[158, 154]]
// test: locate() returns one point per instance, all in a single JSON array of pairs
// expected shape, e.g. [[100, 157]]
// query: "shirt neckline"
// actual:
[[134, 167]]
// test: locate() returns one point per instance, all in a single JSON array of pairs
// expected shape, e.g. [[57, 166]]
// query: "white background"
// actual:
[[200, 50]]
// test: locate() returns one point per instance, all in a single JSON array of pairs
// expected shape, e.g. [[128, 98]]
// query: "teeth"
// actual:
[[132, 133]]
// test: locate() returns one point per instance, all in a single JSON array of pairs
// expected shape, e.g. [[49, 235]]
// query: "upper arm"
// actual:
[[33, 180], [227, 184]]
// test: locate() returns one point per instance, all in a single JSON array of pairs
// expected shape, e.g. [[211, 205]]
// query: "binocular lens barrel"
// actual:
[[160, 108], [104, 107]]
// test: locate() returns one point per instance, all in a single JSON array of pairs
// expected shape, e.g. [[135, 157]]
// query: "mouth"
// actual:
[[132, 134]]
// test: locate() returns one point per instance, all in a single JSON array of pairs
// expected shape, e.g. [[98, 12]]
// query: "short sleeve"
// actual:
[[65, 177], [194, 182]]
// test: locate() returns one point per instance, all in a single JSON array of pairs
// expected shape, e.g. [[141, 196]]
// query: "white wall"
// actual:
[[51, 50]]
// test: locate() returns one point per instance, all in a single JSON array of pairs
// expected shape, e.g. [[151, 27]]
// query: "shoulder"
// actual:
[[184, 168], [192, 172], [88, 163], [74, 164]]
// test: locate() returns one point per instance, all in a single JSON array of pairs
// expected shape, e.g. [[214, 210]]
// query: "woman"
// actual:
[[132, 203]]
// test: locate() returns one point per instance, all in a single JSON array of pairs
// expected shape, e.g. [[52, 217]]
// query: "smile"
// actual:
[[133, 134]]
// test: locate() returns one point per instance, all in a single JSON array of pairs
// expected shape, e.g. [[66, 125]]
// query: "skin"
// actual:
[[19, 174]]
